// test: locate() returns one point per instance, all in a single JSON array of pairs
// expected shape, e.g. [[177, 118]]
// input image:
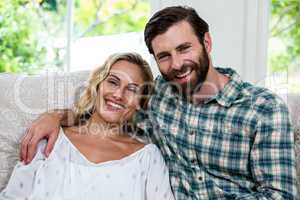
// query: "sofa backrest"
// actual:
[[22, 99]]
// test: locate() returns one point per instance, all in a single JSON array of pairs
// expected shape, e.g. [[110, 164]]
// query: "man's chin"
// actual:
[[184, 90]]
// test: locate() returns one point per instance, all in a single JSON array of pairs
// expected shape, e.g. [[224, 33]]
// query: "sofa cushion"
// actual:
[[23, 98], [293, 101]]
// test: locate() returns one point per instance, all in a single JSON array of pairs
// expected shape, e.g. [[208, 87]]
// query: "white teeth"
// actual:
[[183, 75], [114, 105]]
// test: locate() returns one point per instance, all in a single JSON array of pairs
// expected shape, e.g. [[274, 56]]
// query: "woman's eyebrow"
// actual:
[[133, 84], [114, 76]]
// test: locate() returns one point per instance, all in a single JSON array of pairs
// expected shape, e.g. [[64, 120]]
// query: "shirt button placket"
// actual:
[[193, 154], [194, 161], [200, 178], [192, 133]]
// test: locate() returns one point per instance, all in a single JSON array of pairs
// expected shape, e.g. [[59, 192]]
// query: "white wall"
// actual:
[[239, 29]]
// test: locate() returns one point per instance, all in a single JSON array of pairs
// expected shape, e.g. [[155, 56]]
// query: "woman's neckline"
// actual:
[[108, 162]]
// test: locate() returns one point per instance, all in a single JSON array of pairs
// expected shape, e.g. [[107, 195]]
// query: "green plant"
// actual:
[[285, 28], [109, 16], [19, 49]]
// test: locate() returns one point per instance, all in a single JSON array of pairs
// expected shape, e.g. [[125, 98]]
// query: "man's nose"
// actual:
[[177, 62]]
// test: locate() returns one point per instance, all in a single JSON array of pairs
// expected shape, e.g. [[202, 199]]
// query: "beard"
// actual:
[[187, 89]]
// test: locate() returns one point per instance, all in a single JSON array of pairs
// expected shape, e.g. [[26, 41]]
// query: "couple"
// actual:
[[220, 137]]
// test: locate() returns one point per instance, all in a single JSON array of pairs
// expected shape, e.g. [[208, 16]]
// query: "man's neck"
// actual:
[[215, 82]]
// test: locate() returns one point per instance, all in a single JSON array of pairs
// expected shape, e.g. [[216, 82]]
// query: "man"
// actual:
[[221, 138]]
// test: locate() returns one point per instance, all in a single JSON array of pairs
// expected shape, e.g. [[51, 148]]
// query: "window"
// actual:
[[30, 31], [105, 27], [68, 35], [284, 47]]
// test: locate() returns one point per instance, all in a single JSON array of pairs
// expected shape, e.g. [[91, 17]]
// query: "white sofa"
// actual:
[[23, 98]]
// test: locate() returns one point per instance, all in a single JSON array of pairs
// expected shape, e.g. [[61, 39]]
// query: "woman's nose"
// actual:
[[118, 93]]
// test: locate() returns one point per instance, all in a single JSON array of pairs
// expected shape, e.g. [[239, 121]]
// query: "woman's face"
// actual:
[[118, 94]]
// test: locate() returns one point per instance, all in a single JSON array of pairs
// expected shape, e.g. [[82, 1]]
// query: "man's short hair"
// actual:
[[161, 21]]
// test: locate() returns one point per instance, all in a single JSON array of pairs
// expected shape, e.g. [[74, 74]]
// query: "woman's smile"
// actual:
[[113, 105]]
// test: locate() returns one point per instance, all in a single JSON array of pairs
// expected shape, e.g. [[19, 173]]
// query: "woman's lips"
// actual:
[[114, 106]]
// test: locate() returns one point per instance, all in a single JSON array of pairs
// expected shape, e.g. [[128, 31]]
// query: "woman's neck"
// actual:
[[96, 126]]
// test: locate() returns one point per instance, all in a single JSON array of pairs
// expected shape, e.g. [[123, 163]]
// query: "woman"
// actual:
[[97, 158]]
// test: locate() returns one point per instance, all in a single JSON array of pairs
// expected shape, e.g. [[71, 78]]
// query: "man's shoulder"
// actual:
[[159, 79], [160, 83], [263, 97]]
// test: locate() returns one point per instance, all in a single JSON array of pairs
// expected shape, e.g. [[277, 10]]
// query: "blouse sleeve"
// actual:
[[158, 183], [20, 184]]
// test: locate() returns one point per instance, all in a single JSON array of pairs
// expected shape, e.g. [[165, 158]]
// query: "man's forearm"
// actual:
[[65, 116], [265, 194]]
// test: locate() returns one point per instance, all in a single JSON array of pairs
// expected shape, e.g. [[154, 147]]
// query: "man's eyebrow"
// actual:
[[183, 45], [179, 47]]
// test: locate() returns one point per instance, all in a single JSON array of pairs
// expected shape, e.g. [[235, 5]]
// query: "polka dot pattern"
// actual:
[[66, 174]]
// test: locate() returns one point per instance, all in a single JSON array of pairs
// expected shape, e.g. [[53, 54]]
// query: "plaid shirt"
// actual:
[[238, 144]]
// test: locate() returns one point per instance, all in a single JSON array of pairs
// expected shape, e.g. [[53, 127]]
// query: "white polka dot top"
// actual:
[[67, 175]]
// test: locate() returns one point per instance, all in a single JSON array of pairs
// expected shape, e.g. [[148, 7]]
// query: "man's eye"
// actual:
[[163, 57]]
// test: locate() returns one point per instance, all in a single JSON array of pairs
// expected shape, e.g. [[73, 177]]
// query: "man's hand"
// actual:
[[45, 127]]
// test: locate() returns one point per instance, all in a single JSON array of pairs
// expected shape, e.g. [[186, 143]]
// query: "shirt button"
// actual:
[[200, 178], [194, 161]]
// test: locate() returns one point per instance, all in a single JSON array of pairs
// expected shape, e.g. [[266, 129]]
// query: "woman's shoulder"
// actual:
[[152, 151], [152, 157], [147, 147], [152, 147]]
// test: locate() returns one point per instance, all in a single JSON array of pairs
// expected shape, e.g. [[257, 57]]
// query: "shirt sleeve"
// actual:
[[158, 182], [273, 156], [21, 182]]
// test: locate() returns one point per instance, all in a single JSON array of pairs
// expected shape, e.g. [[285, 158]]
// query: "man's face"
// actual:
[[181, 58]]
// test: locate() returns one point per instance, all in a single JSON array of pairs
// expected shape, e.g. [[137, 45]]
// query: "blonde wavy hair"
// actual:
[[85, 105]]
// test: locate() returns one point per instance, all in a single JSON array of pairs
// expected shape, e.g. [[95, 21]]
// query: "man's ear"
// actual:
[[207, 42]]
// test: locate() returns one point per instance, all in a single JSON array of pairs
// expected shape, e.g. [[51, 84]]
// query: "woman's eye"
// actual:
[[112, 82], [133, 89]]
